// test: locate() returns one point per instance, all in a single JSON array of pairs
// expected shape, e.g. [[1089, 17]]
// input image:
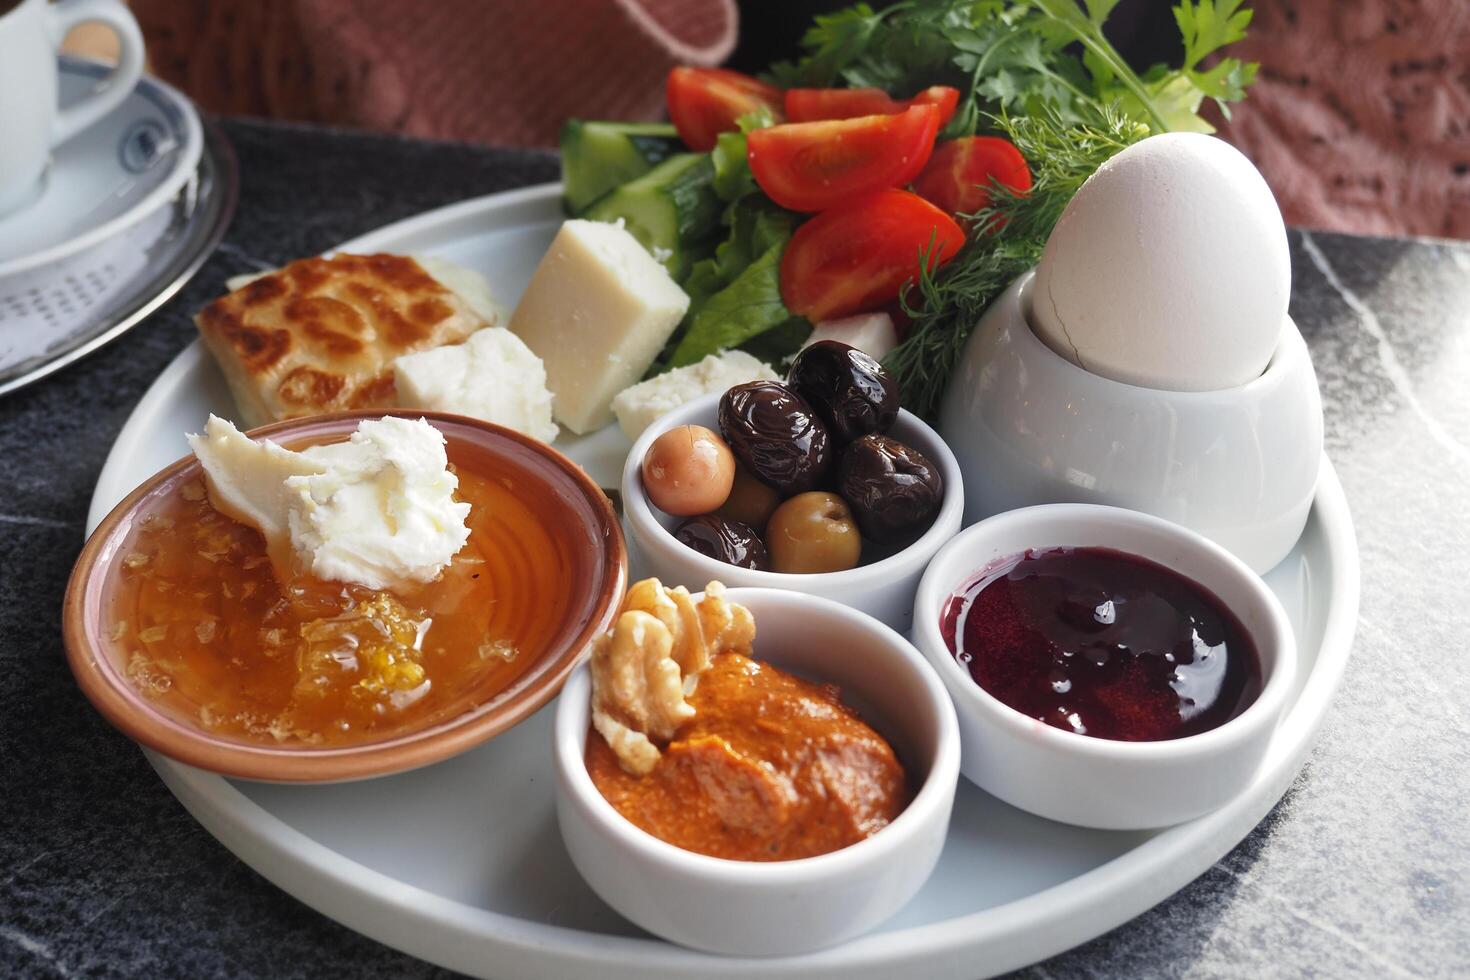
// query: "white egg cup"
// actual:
[[1098, 782], [780, 907], [1028, 426], [883, 588]]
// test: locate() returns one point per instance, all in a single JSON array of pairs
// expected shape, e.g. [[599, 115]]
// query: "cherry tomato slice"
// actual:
[[942, 97], [957, 177], [857, 257], [705, 102], [813, 166], [812, 104]]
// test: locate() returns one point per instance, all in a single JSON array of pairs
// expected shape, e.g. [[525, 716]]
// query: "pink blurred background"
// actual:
[[1360, 118]]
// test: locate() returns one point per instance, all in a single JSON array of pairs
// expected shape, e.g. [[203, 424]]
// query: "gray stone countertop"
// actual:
[[1362, 870]]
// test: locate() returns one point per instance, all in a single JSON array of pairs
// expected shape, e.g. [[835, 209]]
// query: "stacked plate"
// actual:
[[128, 212]]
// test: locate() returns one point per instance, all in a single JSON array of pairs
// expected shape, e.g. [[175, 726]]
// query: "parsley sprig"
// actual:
[[1019, 56]]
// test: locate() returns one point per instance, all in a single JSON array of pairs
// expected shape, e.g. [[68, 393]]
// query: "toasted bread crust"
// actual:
[[320, 335]]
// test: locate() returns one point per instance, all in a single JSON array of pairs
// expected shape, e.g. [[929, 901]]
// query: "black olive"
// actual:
[[893, 491], [851, 391], [776, 435], [728, 541]]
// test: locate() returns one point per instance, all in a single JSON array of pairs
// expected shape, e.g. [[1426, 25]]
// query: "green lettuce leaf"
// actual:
[[748, 307], [755, 226]]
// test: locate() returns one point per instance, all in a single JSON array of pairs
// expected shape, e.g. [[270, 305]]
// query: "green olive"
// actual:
[[688, 470], [751, 502], [813, 532]]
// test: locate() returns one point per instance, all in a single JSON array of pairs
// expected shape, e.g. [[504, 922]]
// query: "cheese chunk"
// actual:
[[871, 333], [597, 312], [492, 376], [637, 407], [378, 510]]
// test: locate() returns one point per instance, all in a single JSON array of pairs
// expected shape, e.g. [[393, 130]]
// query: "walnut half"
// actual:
[[650, 661]]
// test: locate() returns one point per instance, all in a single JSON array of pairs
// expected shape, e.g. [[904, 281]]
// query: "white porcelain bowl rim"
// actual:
[[1275, 372], [640, 511], [970, 696], [573, 716]]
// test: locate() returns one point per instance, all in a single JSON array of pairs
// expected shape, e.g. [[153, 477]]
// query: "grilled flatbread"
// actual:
[[321, 334]]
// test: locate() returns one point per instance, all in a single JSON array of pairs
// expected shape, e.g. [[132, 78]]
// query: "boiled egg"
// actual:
[[1168, 269]]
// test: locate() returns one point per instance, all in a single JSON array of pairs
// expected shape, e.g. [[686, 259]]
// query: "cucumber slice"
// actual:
[[598, 156], [673, 210]]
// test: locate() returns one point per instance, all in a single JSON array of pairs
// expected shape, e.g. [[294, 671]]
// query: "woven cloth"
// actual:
[[501, 71], [1360, 118]]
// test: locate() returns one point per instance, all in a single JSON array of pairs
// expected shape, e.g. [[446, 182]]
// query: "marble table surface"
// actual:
[[1362, 870]]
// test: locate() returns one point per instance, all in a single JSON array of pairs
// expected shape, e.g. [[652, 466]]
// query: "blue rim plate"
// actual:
[[108, 177], [196, 221]]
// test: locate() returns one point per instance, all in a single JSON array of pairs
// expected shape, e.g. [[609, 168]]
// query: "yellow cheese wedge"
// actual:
[[597, 312]]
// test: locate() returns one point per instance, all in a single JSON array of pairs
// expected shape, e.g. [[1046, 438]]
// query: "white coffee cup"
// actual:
[[31, 122]]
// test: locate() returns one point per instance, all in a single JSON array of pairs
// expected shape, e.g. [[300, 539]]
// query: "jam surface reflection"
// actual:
[[1102, 643]]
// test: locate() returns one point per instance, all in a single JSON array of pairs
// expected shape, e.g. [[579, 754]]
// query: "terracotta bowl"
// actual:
[[577, 514]]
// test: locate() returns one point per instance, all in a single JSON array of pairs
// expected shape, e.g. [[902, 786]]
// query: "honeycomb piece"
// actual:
[[375, 644]]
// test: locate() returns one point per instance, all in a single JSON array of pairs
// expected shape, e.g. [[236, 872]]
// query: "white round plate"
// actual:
[[462, 864], [108, 177]]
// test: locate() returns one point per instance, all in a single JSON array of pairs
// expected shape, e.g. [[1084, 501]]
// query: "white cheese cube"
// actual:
[[492, 376], [597, 312], [637, 407], [871, 333]]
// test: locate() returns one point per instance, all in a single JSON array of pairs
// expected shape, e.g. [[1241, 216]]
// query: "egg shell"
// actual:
[[1168, 269]]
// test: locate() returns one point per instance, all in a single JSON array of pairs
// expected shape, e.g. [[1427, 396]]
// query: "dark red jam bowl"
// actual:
[[1103, 643]]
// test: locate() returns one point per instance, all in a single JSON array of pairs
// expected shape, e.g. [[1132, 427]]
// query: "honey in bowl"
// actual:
[[194, 616]]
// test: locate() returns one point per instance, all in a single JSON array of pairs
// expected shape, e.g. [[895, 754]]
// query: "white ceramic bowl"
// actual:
[[787, 907], [1095, 782], [1030, 427], [884, 588]]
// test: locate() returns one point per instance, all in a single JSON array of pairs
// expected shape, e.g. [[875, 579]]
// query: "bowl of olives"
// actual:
[[819, 484]]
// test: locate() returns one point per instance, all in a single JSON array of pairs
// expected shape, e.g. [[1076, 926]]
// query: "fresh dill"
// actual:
[[1007, 238]]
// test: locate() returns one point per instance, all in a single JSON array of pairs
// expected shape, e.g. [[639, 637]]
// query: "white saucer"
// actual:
[[109, 177]]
